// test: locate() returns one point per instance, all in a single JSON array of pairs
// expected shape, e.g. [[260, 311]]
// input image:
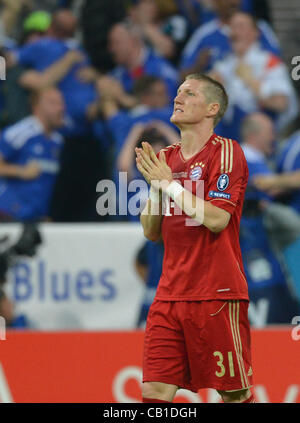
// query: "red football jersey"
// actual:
[[199, 264]]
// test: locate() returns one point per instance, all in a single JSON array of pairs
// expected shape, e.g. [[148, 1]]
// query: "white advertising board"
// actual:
[[82, 277]]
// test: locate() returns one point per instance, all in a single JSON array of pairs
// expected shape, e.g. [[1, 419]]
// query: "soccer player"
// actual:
[[197, 333]]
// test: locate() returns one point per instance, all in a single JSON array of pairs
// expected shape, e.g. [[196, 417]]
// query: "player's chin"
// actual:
[[175, 118]]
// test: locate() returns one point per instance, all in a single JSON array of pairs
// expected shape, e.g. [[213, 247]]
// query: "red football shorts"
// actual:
[[198, 344]]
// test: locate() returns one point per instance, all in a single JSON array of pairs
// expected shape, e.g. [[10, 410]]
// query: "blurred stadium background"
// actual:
[[82, 82]]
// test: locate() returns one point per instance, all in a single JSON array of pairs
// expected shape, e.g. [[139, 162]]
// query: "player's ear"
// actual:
[[213, 109]]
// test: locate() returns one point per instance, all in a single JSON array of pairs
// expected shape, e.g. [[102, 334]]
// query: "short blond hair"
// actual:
[[214, 93]]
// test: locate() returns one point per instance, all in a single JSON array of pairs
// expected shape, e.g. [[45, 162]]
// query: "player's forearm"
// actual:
[[151, 218], [215, 219], [203, 212]]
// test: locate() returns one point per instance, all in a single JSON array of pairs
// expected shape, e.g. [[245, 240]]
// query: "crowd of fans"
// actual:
[[87, 80]]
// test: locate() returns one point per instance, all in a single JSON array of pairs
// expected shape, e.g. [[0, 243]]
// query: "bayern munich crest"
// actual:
[[196, 171]]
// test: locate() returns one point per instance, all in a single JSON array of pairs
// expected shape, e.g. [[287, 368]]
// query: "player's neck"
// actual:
[[193, 140]]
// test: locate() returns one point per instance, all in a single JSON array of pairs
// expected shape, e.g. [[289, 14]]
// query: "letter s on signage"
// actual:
[[119, 383], [296, 69]]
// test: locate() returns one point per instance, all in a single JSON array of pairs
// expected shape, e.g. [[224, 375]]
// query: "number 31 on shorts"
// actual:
[[221, 372]]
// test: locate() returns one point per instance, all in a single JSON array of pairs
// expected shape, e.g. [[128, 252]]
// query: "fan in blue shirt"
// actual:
[[125, 127], [287, 181], [133, 60], [288, 162], [198, 13], [152, 104], [45, 52], [265, 274], [29, 159], [211, 43]]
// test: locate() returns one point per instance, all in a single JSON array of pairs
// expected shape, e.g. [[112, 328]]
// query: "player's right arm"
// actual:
[[151, 216]]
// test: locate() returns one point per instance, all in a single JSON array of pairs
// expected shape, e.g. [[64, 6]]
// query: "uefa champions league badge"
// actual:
[[223, 182], [196, 171]]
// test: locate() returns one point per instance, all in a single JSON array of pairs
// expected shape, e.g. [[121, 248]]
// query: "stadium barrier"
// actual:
[[105, 367]]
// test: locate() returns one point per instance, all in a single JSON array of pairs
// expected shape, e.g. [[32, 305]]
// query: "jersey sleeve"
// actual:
[[8, 150], [228, 176]]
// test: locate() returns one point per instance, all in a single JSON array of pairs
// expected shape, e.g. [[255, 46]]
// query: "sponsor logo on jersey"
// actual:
[[180, 175], [223, 182], [215, 194]]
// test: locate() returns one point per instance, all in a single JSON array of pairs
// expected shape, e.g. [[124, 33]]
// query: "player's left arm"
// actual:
[[204, 212], [227, 176]]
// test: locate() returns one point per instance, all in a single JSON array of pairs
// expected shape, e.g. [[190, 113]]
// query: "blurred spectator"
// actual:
[[159, 135], [134, 59], [287, 181], [254, 78], [35, 26], [199, 12], [211, 42], [15, 101], [29, 159], [258, 137], [11, 12], [58, 60], [161, 26], [269, 291], [148, 265], [97, 18], [150, 102]]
